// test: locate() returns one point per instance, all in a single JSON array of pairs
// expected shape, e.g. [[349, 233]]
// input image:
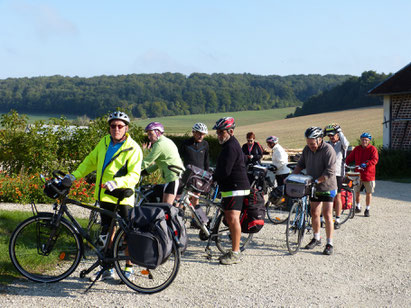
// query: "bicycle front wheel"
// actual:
[[295, 228], [142, 279], [223, 236], [43, 252], [277, 214]]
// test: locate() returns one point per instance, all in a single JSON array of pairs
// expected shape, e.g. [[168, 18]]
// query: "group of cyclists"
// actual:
[[118, 161]]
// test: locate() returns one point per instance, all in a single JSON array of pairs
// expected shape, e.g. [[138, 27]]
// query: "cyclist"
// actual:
[[252, 150], [340, 145], [279, 158], [366, 156], [117, 159], [318, 158], [231, 176], [195, 151], [163, 153]]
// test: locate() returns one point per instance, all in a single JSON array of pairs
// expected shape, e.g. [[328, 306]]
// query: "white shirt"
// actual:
[[280, 160]]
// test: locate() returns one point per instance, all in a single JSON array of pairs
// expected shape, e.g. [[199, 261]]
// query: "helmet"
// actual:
[[366, 135], [330, 129], [201, 128], [225, 123], [118, 115], [313, 132], [272, 139], [155, 126]]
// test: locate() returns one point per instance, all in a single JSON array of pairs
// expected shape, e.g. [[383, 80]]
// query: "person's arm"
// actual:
[[330, 163], [225, 166], [344, 141], [148, 161], [374, 157], [258, 152]]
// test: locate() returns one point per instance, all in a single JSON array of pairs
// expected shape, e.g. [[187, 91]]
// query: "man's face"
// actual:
[[198, 137], [334, 138], [270, 145], [365, 142], [118, 129], [314, 143], [222, 136], [152, 136]]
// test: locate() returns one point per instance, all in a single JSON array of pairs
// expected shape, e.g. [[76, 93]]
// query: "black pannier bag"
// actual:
[[149, 241], [197, 179], [175, 222], [298, 185], [253, 213]]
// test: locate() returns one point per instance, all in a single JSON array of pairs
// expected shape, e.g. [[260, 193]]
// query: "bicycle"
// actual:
[[48, 247], [351, 180], [301, 188]]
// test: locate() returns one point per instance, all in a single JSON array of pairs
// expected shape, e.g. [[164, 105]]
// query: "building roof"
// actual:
[[399, 83]]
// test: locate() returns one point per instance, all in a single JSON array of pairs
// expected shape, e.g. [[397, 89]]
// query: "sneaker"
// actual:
[[107, 275], [367, 213], [357, 210], [328, 249], [313, 243], [337, 225], [230, 258], [128, 272]]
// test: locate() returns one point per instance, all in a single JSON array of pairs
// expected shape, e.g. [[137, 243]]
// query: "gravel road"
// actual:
[[371, 267]]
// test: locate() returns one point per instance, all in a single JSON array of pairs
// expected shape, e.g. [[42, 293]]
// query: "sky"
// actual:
[[97, 37]]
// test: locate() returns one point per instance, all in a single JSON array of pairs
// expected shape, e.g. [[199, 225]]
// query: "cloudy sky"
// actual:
[[91, 38]]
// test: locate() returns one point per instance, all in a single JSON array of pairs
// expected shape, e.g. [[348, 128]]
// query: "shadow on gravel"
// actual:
[[392, 190], [70, 287]]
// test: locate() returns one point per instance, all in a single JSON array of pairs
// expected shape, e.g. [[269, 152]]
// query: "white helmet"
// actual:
[[201, 128], [118, 115]]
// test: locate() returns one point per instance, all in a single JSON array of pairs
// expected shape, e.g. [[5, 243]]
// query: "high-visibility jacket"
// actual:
[[124, 168]]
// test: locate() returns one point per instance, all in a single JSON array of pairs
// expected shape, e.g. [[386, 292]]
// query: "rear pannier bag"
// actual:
[[149, 241], [175, 223], [197, 179], [253, 213], [346, 199], [298, 185]]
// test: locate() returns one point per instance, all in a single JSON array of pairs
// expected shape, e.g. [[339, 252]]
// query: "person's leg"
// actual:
[[328, 216], [369, 189], [232, 218], [338, 203], [316, 224], [170, 192]]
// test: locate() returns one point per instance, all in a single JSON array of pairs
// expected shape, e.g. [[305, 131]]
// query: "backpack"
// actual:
[[175, 223], [346, 199], [253, 213], [149, 240]]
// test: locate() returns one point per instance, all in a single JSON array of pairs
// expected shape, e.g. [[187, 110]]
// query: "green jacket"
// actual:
[[124, 168], [163, 154]]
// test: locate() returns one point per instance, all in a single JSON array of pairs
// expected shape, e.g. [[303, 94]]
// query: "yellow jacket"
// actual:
[[124, 168]]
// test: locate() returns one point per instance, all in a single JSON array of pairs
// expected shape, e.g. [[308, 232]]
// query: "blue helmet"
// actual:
[[366, 135]]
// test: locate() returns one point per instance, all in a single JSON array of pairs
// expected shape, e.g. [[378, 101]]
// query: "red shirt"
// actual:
[[368, 155]]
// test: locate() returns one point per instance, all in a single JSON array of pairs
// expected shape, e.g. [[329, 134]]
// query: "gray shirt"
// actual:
[[320, 163]]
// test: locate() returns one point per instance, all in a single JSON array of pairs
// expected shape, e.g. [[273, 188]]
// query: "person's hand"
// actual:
[[146, 145], [68, 180], [110, 185], [337, 128], [250, 156], [363, 166]]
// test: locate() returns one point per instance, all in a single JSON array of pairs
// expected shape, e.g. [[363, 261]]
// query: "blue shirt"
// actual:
[[111, 150]]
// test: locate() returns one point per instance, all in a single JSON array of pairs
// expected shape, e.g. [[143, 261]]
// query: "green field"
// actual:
[[184, 123]]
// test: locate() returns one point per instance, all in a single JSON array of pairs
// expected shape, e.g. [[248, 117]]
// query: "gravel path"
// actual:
[[371, 266]]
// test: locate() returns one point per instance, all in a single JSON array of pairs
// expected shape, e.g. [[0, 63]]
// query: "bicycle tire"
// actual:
[[145, 280], [26, 243], [347, 213], [295, 228], [223, 238], [277, 214]]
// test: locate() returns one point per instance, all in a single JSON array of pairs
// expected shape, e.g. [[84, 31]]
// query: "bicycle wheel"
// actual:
[[145, 280], [277, 214], [349, 209], [223, 236], [28, 253], [295, 228]]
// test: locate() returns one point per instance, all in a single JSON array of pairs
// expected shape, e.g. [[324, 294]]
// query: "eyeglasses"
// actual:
[[250, 140], [113, 126]]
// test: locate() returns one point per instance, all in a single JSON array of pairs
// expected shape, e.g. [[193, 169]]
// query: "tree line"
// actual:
[[352, 93], [154, 95]]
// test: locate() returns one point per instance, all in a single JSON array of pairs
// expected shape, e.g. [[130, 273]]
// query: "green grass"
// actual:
[[183, 124], [8, 222]]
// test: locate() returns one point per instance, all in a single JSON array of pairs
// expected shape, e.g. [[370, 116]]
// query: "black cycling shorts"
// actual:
[[324, 196], [173, 188], [339, 183], [232, 203]]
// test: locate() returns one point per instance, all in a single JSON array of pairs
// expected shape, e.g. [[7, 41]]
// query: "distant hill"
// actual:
[[353, 93], [155, 95]]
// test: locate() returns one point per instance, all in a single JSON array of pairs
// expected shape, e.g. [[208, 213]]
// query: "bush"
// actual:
[[393, 164]]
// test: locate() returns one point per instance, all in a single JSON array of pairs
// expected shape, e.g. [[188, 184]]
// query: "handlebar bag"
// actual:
[[298, 185], [198, 179]]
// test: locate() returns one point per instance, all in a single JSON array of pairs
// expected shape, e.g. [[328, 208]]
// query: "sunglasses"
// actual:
[[250, 140], [113, 126]]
